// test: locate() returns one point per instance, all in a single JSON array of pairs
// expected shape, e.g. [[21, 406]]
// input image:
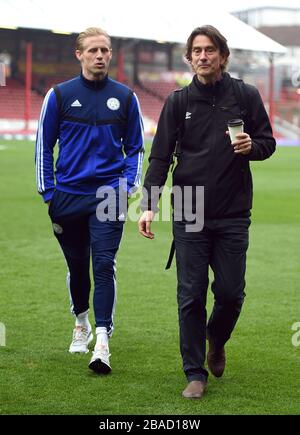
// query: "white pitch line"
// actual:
[[3, 147]]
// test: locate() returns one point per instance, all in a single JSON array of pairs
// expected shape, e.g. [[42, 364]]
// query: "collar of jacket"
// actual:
[[211, 89], [94, 84]]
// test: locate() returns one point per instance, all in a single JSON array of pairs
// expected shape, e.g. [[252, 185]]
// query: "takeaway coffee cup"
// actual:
[[235, 126]]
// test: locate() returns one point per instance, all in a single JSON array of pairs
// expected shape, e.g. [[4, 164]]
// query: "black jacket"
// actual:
[[207, 157]]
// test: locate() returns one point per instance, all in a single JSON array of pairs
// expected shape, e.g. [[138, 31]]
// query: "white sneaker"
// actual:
[[100, 360], [82, 336]]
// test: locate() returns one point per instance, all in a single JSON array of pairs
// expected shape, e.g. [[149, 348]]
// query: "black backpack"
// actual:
[[181, 104]]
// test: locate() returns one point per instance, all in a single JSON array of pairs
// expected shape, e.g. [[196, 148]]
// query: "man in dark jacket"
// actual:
[[208, 158]]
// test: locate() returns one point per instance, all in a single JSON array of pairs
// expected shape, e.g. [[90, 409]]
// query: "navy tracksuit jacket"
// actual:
[[99, 129]]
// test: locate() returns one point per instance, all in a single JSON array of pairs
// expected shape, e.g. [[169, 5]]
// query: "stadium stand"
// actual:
[[160, 88], [151, 105], [42, 83], [12, 101]]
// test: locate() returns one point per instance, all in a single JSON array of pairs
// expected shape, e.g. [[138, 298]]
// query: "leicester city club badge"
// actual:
[[113, 103]]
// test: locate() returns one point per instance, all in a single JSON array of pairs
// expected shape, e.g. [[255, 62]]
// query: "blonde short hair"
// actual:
[[90, 31]]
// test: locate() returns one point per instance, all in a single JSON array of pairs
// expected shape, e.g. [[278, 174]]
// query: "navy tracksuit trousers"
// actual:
[[82, 235], [222, 245]]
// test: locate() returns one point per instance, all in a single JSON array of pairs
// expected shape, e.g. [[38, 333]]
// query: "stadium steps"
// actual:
[[12, 101]]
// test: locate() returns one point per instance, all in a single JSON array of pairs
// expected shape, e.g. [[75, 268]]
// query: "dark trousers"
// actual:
[[222, 245], [81, 235]]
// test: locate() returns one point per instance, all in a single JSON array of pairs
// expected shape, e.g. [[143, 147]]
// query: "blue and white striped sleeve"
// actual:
[[47, 135], [133, 143]]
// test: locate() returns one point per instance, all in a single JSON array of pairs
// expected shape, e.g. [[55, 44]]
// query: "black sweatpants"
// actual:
[[222, 244]]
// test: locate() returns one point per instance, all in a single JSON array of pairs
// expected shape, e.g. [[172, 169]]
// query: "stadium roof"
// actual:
[[158, 20], [287, 35]]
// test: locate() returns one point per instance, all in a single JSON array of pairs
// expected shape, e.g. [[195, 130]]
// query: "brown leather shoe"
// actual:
[[194, 390], [216, 359]]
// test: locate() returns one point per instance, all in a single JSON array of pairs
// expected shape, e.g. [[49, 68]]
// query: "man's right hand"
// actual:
[[145, 224]]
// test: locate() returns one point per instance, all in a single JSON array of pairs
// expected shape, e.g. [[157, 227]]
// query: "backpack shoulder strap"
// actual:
[[239, 89], [180, 106], [180, 103]]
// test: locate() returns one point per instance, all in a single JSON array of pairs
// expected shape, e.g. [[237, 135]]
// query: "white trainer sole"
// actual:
[[82, 349]]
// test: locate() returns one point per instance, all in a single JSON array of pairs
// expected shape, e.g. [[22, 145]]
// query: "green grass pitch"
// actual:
[[39, 376]]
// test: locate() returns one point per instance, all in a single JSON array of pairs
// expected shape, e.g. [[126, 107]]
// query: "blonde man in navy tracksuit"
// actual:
[[98, 126]]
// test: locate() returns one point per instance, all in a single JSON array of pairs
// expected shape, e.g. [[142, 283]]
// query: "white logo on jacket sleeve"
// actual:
[[113, 103], [76, 103], [57, 229]]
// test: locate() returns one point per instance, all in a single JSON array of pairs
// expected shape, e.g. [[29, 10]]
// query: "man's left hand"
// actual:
[[242, 144]]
